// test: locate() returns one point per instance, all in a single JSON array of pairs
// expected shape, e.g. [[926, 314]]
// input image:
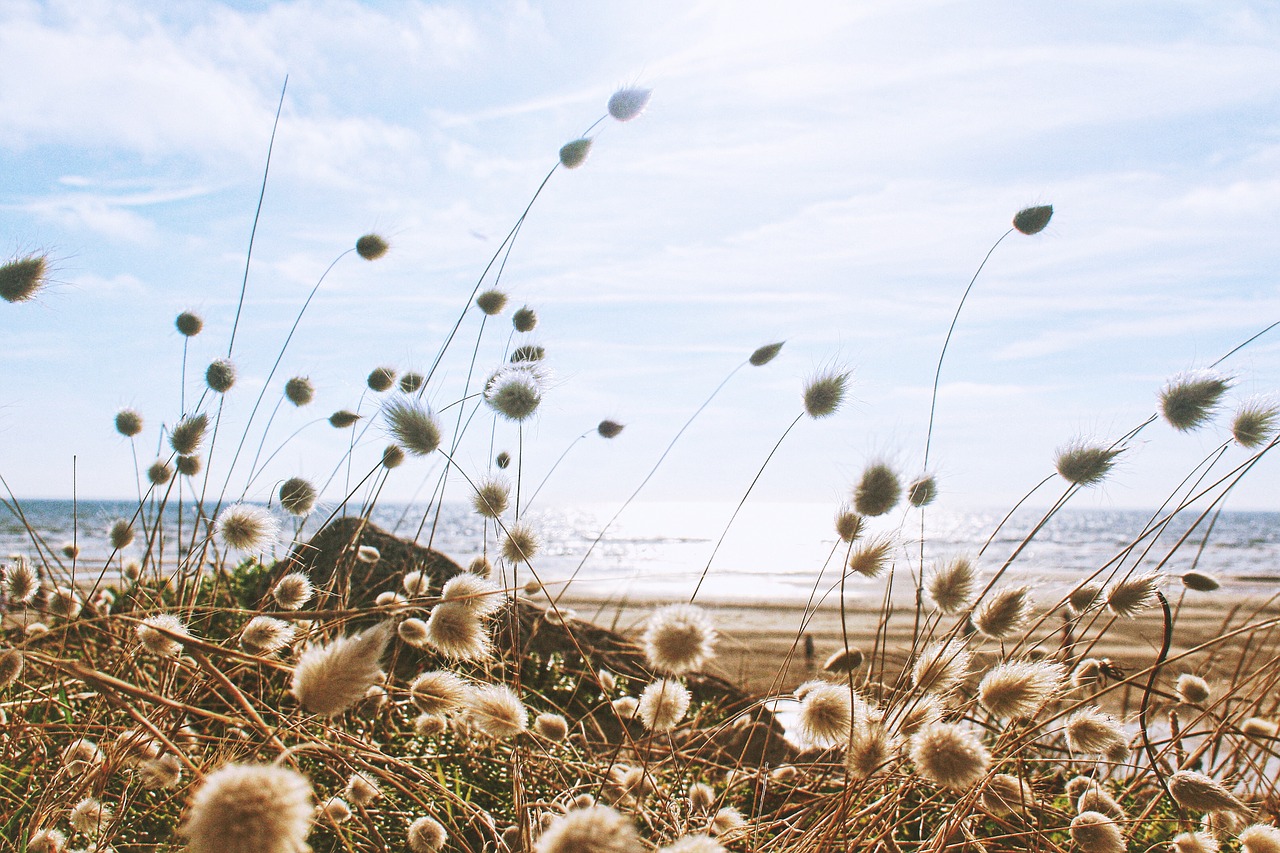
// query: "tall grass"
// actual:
[[225, 686]]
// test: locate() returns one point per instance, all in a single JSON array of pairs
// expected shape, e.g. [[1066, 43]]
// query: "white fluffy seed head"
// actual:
[[663, 705], [247, 808], [1192, 689], [1005, 795], [413, 632], [362, 789], [1004, 613], [495, 710], [90, 816], [1094, 832], [265, 635], [21, 580], [826, 711], [1260, 838], [701, 797], [160, 773], [1093, 732], [438, 692], [679, 638], [81, 756], [480, 595], [11, 663], [871, 747], [551, 726], [416, 584], [1195, 842], [427, 835], [595, 829], [292, 591], [1131, 596], [246, 527], [515, 390], [491, 497], [520, 545], [951, 585], [334, 810], [1201, 793], [154, 633], [1019, 688], [941, 666], [331, 678], [871, 557], [457, 632], [949, 755], [412, 425], [1260, 728]]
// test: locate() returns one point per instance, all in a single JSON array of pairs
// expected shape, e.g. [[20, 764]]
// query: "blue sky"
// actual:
[[830, 174]]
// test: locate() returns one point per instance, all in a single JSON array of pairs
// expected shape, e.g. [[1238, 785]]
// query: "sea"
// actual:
[[785, 553]]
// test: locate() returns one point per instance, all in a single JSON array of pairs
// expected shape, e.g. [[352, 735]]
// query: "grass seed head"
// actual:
[[47, 841], [491, 497], [457, 632], [626, 104], [1192, 689], [1094, 799], [429, 725], [848, 524], [371, 247], [679, 638], [266, 635], [1094, 832], [941, 666], [872, 557], [1255, 423], [128, 422], [1084, 465], [473, 592], [1033, 220], [1005, 795], [1189, 400], [1004, 613], [411, 381], [188, 466], [515, 391], [329, 679], [1016, 689], [152, 634], [392, 457], [1131, 596], [81, 756], [334, 810], [159, 774], [1257, 727], [951, 585], [188, 324], [520, 545], [90, 815], [412, 425], [871, 748], [120, 534], [663, 705], [878, 490], [11, 662], [922, 491], [574, 154], [297, 496], [22, 278], [495, 710], [293, 591], [528, 352], [1084, 596], [381, 379], [65, 602], [1200, 793], [160, 472], [949, 756], [694, 844], [21, 581], [502, 460], [188, 434], [1195, 842], [765, 354], [1200, 582], [246, 527], [413, 632], [844, 661], [427, 835], [249, 808], [220, 376], [826, 711], [824, 392], [491, 302], [1260, 838], [299, 391], [551, 726], [1093, 732], [596, 829], [343, 418], [481, 566], [609, 429], [361, 789]]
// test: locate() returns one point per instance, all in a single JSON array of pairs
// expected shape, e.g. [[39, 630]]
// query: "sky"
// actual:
[[826, 174]]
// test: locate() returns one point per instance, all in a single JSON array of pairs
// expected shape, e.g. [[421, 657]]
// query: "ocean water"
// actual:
[[772, 552]]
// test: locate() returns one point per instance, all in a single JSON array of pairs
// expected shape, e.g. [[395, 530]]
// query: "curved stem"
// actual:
[[555, 466]]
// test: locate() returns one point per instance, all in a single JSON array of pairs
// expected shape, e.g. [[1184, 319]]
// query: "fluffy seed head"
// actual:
[[371, 247], [416, 584], [21, 581], [496, 711], [502, 460], [1094, 799], [297, 496], [248, 808], [128, 422], [220, 376], [625, 706], [481, 565], [701, 797], [299, 391], [1131, 596], [848, 524], [264, 635], [609, 429], [188, 324], [694, 844], [491, 496], [292, 591], [574, 154], [410, 382], [528, 352], [188, 434], [663, 705], [120, 534], [413, 632], [361, 789], [1255, 423], [844, 661], [1200, 582], [765, 354], [1260, 838], [427, 835], [922, 491], [491, 302], [940, 666], [47, 841], [679, 638], [949, 756], [246, 527], [877, 491], [1003, 613], [1189, 400], [11, 661], [334, 810], [727, 821], [160, 773], [1195, 842], [826, 711], [1005, 794], [392, 457], [151, 633], [474, 592], [595, 829], [429, 725], [188, 466], [329, 679], [871, 747], [1192, 689], [81, 756], [1088, 673], [1200, 793], [626, 104], [551, 726], [381, 379], [1032, 220], [413, 426], [1083, 464], [515, 391], [1257, 727], [872, 557], [520, 545], [22, 278], [824, 392], [951, 586], [1094, 832], [1093, 732], [1019, 688], [456, 631], [90, 815], [1083, 597], [343, 418]]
